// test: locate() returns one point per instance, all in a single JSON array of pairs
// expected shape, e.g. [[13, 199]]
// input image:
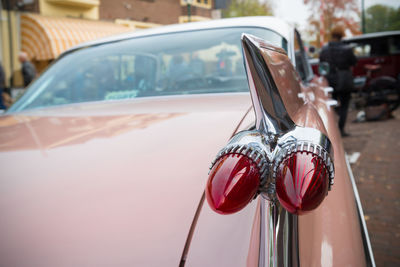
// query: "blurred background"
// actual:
[[46, 28]]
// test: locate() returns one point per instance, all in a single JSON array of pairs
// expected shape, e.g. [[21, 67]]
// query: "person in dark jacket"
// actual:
[[340, 58], [28, 70], [2, 86]]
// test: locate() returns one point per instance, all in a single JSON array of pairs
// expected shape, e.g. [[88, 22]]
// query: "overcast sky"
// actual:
[[296, 11]]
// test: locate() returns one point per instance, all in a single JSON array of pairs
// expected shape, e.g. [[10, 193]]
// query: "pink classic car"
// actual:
[[106, 159]]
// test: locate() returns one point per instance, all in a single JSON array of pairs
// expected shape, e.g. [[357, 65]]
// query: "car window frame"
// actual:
[[304, 60], [367, 41], [284, 44]]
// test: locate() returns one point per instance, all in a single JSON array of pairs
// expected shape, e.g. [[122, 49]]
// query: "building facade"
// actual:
[[46, 28], [157, 11], [86, 9]]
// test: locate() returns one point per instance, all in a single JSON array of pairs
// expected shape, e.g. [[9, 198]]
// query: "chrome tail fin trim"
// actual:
[[271, 114]]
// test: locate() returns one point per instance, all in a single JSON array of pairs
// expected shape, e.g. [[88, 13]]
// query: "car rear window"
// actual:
[[373, 47], [192, 62]]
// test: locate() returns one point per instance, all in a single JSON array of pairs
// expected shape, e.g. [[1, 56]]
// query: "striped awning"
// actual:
[[45, 38]]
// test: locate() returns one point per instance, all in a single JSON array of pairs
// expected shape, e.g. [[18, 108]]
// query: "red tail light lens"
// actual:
[[232, 183], [301, 182]]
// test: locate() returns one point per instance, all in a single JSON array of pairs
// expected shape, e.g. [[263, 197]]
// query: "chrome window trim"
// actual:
[[272, 23], [304, 58]]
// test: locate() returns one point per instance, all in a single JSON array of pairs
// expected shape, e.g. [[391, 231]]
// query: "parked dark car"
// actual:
[[381, 48], [377, 73]]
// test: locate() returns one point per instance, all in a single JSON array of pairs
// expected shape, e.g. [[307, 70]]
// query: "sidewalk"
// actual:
[[377, 174]]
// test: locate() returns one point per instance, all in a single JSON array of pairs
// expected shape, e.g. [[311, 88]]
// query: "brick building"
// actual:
[[159, 11], [46, 28]]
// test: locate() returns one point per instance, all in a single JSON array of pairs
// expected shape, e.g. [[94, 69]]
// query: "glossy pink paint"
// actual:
[[79, 189]]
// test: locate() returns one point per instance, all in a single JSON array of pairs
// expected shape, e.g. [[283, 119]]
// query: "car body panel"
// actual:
[[224, 240], [327, 233], [118, 183], [324, 235], [99, 190]]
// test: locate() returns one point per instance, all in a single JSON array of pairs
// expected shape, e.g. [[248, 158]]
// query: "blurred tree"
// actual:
[[331, 13], [382, 18], [241, 8]]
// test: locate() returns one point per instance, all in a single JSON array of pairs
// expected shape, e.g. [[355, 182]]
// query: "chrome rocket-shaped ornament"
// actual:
[[278, 159]]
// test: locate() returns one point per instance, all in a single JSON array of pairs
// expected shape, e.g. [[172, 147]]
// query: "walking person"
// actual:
[[340, 58], [28, 70]]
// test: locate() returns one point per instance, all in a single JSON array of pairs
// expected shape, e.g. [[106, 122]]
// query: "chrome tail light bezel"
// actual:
[[309, 140], [275, 136]]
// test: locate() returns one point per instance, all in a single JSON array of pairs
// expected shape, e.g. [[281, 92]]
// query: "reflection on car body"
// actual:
[[117, 136]]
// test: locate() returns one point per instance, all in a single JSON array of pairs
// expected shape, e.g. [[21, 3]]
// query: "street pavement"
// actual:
[[377, 175]]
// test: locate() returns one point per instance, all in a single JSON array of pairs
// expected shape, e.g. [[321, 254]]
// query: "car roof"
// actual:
[[275, 24], [371, 36]]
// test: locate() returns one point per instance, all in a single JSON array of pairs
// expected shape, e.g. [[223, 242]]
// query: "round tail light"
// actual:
[[303, 179], [234, 179]]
